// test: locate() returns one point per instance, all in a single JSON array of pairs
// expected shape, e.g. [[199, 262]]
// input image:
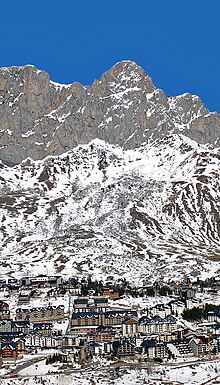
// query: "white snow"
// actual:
[[189, 373], [88, 200]]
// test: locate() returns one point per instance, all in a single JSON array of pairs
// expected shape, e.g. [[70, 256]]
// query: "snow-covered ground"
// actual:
[[99, 210], [193, 374], [141, 302], [39, 369]]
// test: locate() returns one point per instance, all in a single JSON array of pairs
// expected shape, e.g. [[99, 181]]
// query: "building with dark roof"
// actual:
[[21, 326], [123, 348], [180, 348], [102, 334], [41, 314], [90, 320], [45, 328], [157, 325], [99, 304], [153, 349]]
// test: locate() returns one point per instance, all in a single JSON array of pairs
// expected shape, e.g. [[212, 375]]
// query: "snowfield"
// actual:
[[144, 214], [193, 374]]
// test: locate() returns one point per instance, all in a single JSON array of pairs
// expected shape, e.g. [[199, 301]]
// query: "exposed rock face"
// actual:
[[39, 117]]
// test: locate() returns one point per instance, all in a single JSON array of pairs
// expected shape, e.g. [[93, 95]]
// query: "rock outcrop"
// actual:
[[39, 117]]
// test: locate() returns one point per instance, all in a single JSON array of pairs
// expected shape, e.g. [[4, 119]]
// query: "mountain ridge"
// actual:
[[113, 179], [39, 117]]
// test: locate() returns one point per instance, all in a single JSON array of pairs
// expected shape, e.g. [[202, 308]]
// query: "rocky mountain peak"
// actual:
[[39, 117], [127, 75]]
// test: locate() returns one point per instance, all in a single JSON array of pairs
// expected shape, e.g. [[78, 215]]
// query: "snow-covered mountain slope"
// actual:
[[39, 117], [142, 213]]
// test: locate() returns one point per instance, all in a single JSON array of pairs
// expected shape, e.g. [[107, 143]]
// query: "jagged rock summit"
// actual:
[[39, 117]]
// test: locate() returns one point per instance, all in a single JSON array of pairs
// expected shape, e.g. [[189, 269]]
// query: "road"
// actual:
[[113, 370], [23, 366]]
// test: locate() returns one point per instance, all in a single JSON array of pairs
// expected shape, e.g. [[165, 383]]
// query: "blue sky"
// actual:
[[175, 41]]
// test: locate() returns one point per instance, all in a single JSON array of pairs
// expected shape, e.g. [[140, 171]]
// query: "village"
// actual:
[[77, 320]]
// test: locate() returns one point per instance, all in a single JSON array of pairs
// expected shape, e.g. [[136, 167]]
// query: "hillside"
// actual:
[[151, 212]]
